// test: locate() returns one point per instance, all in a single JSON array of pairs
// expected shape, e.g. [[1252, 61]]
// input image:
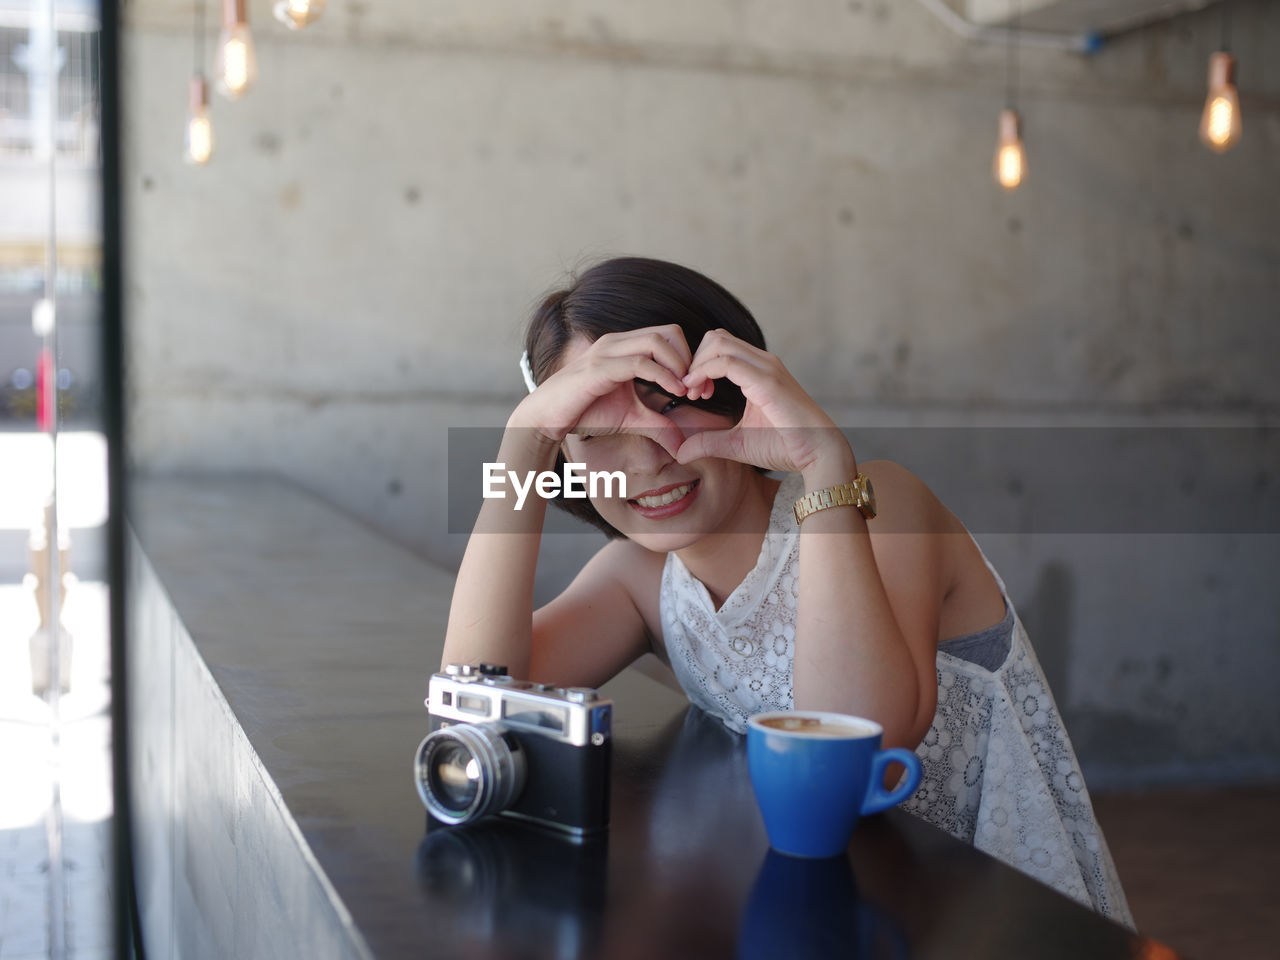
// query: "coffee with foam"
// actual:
[[819, 727]]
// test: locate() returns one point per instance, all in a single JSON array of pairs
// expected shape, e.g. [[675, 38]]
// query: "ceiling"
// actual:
[[1101, 17]]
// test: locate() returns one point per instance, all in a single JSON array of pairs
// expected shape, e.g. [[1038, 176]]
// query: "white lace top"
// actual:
[[999, 770]]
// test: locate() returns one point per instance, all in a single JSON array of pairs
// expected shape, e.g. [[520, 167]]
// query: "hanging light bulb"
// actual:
[[199, 129], [1011, 158], [296, 14], [199, 136], [1220, 123], [237, 67]]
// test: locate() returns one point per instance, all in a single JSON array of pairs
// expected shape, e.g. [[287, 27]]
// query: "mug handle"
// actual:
[[878, 798]]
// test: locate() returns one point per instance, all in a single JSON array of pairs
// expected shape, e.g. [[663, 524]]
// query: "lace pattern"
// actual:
[[736, 661], [999, 769]]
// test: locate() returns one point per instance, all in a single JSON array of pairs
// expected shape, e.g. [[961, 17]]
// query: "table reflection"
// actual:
[[499, 876], [801, 908]]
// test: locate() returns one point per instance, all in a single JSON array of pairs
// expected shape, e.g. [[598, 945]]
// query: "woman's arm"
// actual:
[[595, 627], [581, 638], [491, 616], [866, 636], [869, 605]]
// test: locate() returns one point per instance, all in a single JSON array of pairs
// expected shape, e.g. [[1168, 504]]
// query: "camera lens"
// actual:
[[454, 776], [468, 770]]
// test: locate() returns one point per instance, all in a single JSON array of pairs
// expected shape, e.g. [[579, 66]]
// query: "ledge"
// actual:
[[279, 653]]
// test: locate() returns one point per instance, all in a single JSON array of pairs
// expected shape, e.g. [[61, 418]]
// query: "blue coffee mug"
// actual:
[[816, 773]]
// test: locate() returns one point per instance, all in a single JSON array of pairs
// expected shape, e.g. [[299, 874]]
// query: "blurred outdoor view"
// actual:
[[55, 798]]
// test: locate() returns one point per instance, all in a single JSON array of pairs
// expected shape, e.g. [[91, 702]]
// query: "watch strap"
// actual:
[[851, 494]]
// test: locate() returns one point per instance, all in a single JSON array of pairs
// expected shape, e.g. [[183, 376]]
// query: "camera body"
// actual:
[[523, 750]]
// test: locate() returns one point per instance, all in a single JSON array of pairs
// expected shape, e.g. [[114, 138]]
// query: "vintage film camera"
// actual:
[[526, 750]]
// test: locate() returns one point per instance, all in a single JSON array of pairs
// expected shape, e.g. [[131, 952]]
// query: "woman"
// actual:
[[844, 586]]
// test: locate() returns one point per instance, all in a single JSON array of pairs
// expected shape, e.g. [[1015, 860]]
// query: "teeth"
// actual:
[[671, 496]]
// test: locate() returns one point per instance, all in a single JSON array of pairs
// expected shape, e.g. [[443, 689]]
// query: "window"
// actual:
[[75, 133]]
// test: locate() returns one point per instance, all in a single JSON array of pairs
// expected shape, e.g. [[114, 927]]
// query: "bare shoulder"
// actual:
[[950, 567], [904, 502]]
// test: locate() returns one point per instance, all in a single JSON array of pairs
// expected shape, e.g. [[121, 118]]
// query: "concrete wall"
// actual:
[[349, 277], [223, 870]]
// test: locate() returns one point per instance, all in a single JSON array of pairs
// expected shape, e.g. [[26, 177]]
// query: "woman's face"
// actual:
[[669, 505]]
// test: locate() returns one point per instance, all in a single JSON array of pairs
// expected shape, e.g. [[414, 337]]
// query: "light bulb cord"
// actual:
[[198, 35], [1011, 58]]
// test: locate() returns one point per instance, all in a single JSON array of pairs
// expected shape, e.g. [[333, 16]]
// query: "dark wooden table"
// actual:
[[686, 871], [321, 637]]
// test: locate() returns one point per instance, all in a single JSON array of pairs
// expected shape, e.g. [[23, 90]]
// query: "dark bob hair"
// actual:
[[630, 293]]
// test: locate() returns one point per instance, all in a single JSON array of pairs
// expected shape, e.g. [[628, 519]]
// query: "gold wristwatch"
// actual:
[[856, 493]]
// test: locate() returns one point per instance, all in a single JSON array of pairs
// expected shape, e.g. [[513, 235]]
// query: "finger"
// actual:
[[741, 371], [666, 345], [715, 345], [669, 437], [673, 334], [721, 342], [726, 444], [658, 350], [617, 413], [646, 368], [611, 373], [653, 425], [605, 413], [704, 391]]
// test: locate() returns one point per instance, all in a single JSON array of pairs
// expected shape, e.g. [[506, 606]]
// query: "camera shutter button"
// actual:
[[580, 694]]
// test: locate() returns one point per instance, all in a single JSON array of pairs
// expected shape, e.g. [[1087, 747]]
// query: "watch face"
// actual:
[[868, 498]]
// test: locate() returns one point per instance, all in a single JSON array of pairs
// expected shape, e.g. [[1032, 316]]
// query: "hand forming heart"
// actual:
[[594, 393], [781, 427]]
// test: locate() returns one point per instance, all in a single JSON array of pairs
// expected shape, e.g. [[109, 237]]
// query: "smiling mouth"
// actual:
[[670, 496]]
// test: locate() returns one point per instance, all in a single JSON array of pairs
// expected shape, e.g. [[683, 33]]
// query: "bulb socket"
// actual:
[[198, 94], [234, 11], [1222, 70], [1009, 126]]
